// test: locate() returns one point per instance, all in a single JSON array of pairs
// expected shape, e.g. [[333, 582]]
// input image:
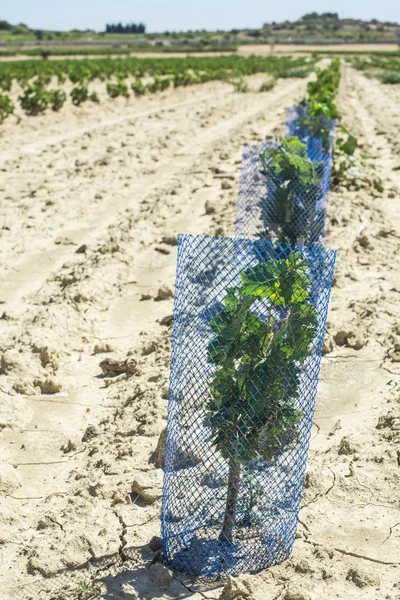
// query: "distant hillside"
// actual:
[[312, 28], [21, 32]]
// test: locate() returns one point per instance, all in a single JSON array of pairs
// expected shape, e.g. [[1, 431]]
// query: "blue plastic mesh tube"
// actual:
[[198, 472], [295, 127], [255, 209]]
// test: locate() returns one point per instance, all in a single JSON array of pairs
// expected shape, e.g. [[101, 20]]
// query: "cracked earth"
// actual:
[[90, 217]]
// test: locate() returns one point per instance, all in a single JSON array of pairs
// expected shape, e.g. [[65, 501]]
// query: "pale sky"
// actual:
[[180, 15]]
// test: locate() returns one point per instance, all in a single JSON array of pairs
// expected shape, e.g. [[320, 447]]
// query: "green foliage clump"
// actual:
[[360, 63], [80, 94], [345, 142], [323, 90], [158, 85], [320, 102], [300, 73], [35, 99], [94, 97], [61, 78], [383, 66], [43, 79], [80, 73], [184, 79], [57, 98], [351, 168], [5, 83], [240, 84], [268, 84], [117, 89], [6, 107], [294, 184], [138, 88], [252, 410], [22, 81], [391, 77]]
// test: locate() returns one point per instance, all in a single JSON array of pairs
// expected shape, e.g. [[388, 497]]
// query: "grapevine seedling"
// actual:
[[258, 359], [392, 77], [349, 167], [6, 107], [268, 84], [321, 108], [57, 99], [294, 187], [240, 84], [35, 99], [81, 94], [5, 83], [138, 88], [117, 89]]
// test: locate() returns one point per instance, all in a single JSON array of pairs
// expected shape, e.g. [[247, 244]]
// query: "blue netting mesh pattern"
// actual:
[[259, 198], [247, 449], [295, 126]]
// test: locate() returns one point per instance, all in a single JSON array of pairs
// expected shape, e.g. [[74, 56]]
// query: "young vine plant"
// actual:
[[291, 213], [6, 107], [320, 103], [352, 168], [262, 337]]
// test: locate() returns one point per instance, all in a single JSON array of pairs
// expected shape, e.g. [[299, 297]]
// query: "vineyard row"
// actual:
[[35, 78]]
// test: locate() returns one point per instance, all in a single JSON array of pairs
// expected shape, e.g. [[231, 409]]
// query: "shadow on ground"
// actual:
[[129, 575]]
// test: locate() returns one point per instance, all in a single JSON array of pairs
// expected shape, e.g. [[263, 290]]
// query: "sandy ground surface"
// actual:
[[91, 201]]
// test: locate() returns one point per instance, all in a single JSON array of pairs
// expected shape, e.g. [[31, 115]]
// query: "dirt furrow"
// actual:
[[373, 96], [86, 184], [139, 113]]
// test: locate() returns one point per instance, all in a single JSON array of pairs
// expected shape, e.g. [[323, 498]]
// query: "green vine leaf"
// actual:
[[258, 359], [294, 186]]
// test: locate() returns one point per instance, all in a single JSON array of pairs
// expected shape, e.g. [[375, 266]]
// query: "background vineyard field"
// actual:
[[33, 84]]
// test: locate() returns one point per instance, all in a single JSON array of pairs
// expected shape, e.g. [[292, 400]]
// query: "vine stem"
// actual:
[[231, 501], [267, 332]]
